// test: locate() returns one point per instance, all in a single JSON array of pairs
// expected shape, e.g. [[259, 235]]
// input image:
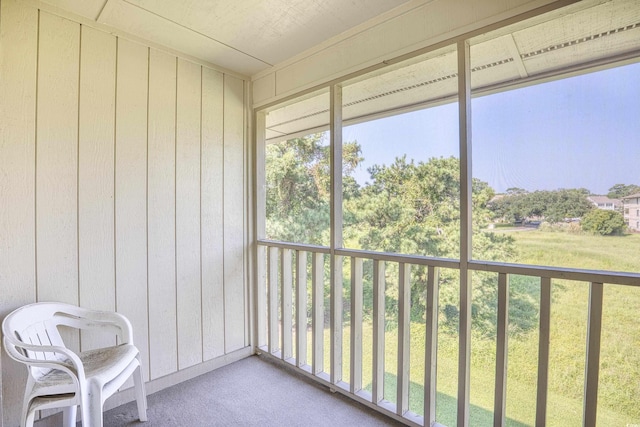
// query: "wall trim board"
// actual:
[[38, 4]]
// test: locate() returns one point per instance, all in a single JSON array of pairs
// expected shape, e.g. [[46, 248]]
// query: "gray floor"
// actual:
[[251, 392]]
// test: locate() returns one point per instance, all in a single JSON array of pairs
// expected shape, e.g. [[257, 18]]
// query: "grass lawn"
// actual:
[[619, 386], [611, 253]]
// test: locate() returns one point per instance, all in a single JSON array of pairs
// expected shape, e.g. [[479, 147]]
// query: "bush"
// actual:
[[564, 227], [605, 223]]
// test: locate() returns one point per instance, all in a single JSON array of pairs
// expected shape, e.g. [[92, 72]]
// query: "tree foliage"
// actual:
[[414, 208], [408, 207], [298, 188], [604, 222], [619, 191], [552, 206]]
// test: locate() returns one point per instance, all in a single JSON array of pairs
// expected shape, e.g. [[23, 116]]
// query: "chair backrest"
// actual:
[[37, 324]]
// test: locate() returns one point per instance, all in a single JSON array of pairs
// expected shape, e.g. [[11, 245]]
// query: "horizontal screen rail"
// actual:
[[407, 259], [581, 275], [609, 277], [295, 246]]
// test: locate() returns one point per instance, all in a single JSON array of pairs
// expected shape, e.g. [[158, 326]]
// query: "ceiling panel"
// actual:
[[598, 32], [495, 61], [271, 30], [593, 21], [136, 21], [594, 50], [427, 79]]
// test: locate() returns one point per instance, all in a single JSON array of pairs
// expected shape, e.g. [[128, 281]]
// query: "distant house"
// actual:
[[605, 203], [631, 205]]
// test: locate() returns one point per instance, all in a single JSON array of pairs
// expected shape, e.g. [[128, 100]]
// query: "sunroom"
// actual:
[[386, 197]]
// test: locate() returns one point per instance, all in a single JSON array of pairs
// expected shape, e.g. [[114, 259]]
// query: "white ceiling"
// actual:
[[246, 36]]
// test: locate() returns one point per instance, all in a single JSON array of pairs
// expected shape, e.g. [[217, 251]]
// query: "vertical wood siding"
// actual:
[[211, 206], [161, 199], [234, 214], [96, 176], [17, 174], [131, 191], [56, 161], [188, 257], [123, 185]]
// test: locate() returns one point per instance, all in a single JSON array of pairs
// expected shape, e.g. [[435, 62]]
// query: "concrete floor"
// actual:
[[251, 392]]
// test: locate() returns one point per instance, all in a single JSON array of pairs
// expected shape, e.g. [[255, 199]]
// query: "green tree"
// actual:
[[552, 206], [414, 208], [604, 222], [410, 208], [513, 191], [298, 188], [619, 191]]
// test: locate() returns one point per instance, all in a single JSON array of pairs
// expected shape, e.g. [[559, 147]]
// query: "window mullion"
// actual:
[[336, 231], [464, 103], [259, 217]]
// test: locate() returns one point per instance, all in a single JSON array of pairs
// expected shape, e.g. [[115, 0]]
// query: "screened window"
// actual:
[[401, 168], [543, 147], [297, 171], [550, 131]]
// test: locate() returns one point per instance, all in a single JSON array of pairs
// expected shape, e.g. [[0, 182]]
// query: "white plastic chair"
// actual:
[[60, 378]]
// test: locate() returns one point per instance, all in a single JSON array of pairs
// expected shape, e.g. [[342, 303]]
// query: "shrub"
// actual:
[[564, 227], [605, 223]]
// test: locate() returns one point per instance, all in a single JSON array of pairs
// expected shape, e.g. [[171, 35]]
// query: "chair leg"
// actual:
[[92, 406], [28, 417], [141, 396], [69, 416], [28, 408]]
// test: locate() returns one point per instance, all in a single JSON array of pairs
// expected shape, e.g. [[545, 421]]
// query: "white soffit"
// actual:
[[557, 42], [307, 114]]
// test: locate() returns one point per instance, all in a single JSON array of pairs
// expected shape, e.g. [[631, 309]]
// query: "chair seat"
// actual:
[[101, 365]]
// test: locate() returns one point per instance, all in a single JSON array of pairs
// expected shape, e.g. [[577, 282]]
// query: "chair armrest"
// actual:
[[83, 318], [72, 365]]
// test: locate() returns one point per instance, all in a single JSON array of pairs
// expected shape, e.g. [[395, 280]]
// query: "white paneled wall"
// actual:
[[122, 187]]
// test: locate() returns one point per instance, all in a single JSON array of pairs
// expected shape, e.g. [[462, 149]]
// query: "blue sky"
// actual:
[[579, 132]]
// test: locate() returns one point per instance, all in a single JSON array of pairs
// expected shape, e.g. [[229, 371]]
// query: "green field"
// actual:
[[619, 387], [611, 253]]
